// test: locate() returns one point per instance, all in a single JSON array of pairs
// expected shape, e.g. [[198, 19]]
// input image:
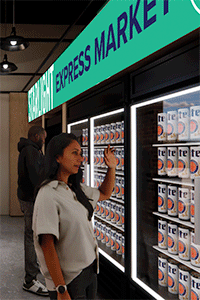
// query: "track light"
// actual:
[[6, 66]]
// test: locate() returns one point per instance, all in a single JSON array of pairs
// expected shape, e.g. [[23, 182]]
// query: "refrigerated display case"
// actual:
[[80, 130], [109, 215], [165, 193]]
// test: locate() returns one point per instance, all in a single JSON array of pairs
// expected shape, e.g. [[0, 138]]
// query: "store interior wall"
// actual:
[[4, 154]]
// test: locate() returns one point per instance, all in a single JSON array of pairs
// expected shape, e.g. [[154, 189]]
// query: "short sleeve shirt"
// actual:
[[58, 212]]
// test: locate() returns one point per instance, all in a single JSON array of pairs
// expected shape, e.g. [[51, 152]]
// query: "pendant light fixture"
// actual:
[[14, 42], [6, 66]]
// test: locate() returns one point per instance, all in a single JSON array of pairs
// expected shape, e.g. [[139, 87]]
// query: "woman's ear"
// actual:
[[58, 159]]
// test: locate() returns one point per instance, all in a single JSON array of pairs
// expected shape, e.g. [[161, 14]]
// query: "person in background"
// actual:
[[63, 233], [30, 165]]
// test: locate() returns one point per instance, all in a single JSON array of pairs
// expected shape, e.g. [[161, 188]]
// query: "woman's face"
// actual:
[[71, 159]]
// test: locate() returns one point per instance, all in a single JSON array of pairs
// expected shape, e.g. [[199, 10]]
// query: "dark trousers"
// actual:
[[84, 286], [31, 264]]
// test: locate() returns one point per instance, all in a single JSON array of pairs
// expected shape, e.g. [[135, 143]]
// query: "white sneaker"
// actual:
[[36, 287]]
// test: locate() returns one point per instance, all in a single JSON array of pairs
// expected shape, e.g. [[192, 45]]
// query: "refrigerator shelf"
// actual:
[[174, 219], [112, 256], [101, 170], [175, 257], [109, 222], [177, 144], [117, 200], [176, 180], [103, 146]]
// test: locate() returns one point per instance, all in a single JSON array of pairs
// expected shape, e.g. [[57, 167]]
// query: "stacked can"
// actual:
[[184, 283], [195, 285], [172, 238], [184, 242], [162, 155], [172, 201], [195, 251], [183, 124], [195, 123], [172, 125], [192, 207], [172, 276], [162, 198], [183, 204], [172, 161], [194, 162], [162, 127], [162, 270], [183, 162], [162, 233]]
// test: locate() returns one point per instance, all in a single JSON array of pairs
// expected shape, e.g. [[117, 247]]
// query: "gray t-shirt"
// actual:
[[58, 212]]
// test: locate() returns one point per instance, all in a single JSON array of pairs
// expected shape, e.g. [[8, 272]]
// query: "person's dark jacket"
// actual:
[[30, 166]]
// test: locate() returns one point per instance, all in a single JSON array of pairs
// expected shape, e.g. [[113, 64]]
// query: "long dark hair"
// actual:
[[56, 147]]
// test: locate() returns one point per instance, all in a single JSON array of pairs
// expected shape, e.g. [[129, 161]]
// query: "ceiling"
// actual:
[[50, 26]]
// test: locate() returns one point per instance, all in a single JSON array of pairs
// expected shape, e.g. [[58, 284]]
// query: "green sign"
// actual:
[[123, 33]]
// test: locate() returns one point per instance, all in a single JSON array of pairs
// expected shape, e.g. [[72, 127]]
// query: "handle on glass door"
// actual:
[[197, 210]]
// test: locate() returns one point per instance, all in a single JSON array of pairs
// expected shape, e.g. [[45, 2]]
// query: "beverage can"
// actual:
[[98, 208], [86, 156], [113, 239], [162, 198], [184, 283], [113, 212], [118, 155], [108, 204], [118, 133], [162, 158], [118, 181], [108, 230], [98, 231], [102, 160], [112, 133], [123, 246], [184, 243], [183, 204], [122, 159], [118, 243], [86, 137], [183, 162], [102, 136], [162, 234], [95, 135], [172, 200], [183, 124], [195, 251], [172, 238], [83, 137], [103, 209], [172, 161], [195, 285], [194, 162], [98, 181], [103, 233], [162, 270], [172, 276], [192, 206], [123, 215], [172, 124], [98, 136], [162, 127], [118, 215], [98, 157], [107, 133], [122, 188], [195, 123], [95, 228], [122, 131]]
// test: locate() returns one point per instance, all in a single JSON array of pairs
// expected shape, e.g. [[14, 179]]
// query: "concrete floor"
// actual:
[[12, 260]]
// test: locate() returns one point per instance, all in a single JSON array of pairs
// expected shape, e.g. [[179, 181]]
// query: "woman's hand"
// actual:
[[110, 158]]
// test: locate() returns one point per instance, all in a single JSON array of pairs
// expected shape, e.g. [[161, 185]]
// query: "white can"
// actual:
[[172, 161], [162, 127], [118, 243], [122, 132], [103, 233], [123, 215], [118, 155], [95, 135], [98, 231], [162, 198], [184, 283], [103, 209], [113, 212], [183, 162], [184, 243], [86, 137], [123, 246], [102, 160], [162, 270], [98, 208], [172, 276], [95, 228], [118, 133], [195, 123], [118, 181], [83, 137], [98, 136], [108, 204], [98, 157], [195, 286], [192, 207], [172, 238], [194, 162], [108, 231], [162, 234], [195, 251], [183, 204], [112, 133], [162, 158], [118, 215], [183, 124], [107, 134], [172, 124], [172, 200], [122, 188], [122, 159], [113, 239], [103, 134]]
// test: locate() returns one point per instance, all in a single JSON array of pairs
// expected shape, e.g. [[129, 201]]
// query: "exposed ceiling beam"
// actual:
[[43, 40]]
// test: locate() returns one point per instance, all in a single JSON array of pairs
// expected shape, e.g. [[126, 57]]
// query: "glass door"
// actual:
[[165, 153]]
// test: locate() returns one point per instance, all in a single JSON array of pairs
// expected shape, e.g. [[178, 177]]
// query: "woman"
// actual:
[[63, 231]]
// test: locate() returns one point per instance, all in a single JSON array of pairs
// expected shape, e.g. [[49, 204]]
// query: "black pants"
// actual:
[[84, 286]]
